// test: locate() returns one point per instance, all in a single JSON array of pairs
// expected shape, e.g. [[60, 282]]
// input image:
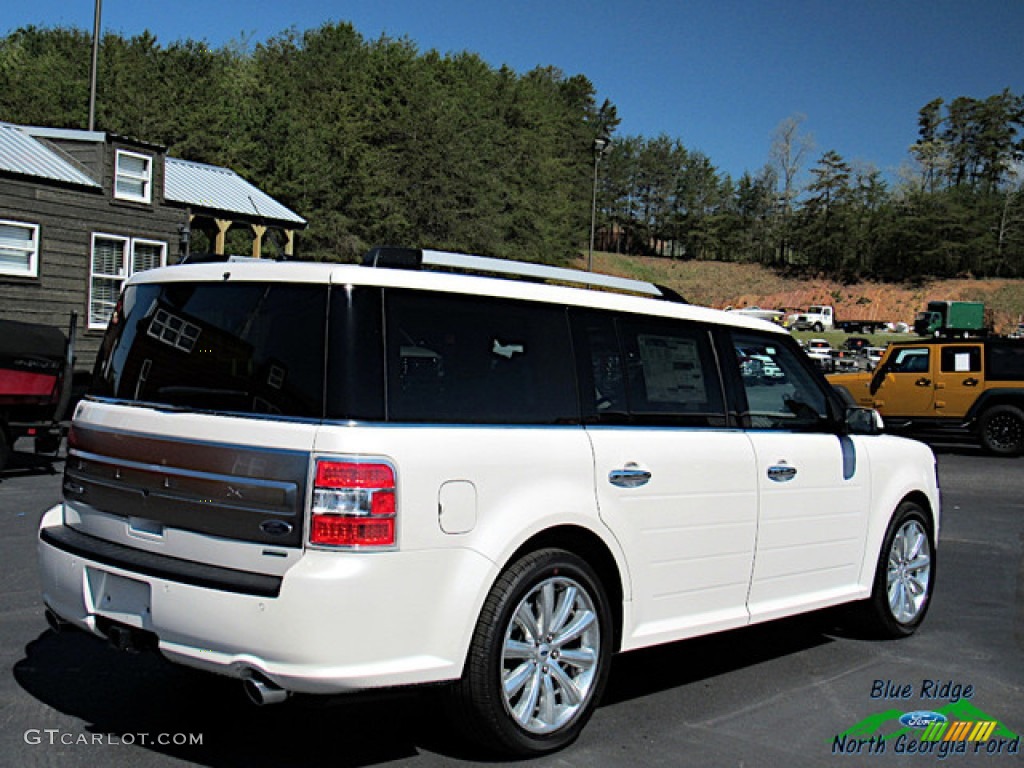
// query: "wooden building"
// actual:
[[81, 211]]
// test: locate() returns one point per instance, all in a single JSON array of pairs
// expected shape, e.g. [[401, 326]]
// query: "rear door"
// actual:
[[959, 379], [675, 484]]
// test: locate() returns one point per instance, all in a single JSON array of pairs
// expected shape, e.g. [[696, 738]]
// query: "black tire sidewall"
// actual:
[[484, 681], [5, 447], [986, 420]]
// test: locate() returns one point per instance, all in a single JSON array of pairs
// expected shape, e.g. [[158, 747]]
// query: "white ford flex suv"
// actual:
[[326, 478]]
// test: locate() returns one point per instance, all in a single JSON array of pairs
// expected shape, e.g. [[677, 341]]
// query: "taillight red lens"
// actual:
[[341, 531], [353, 504], [349, 474]]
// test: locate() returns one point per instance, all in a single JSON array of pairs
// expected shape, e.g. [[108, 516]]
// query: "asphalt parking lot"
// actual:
[[805, 692]]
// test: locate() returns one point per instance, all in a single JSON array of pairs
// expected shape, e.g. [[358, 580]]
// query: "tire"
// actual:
[[904, 575], [528, 688], [5, 447], [817, 328], [1001, 430]]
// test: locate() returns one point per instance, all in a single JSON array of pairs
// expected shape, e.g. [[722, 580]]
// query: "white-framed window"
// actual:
[[133, 176], [114, 260], [19, 249]]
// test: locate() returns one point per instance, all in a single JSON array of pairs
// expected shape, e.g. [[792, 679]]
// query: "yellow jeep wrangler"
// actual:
[[947, 388]]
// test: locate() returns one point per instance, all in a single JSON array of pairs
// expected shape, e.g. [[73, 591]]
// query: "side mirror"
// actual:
[[864, 421], [882, 376]]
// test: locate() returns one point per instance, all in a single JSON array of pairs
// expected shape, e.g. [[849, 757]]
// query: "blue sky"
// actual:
[[720, 75]]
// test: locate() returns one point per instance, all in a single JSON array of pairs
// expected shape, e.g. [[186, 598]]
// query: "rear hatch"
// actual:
[[195, 440]]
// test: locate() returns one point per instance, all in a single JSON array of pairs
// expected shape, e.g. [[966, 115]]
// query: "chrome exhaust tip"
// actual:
[[262, 692]]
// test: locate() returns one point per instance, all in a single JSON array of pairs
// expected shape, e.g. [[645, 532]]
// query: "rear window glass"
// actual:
[[463, 359], [1006, 361], [252, 348], [961, 359]]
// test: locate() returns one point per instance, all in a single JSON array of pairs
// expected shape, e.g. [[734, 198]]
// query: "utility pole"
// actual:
[[95, 59]]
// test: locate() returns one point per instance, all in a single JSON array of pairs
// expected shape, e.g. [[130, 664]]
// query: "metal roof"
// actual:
[[221, 189], [185, 182], [21, 153]]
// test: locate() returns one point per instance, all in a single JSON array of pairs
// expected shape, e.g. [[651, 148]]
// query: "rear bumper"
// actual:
[[341, 621]]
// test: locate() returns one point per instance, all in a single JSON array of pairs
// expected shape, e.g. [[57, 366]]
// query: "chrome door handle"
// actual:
[[781, 473], [923, 382], [629, 476]]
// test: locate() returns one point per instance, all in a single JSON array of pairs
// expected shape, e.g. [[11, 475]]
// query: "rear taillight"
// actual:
[[353, 504]]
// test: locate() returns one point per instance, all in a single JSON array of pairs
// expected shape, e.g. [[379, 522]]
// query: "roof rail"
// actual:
[[416, 258]]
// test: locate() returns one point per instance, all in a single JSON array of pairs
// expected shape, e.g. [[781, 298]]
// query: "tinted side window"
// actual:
[[465, 359], [781, 391], [671, 373], [647, 371], [960, 360], [1006, 361], [235, 347]]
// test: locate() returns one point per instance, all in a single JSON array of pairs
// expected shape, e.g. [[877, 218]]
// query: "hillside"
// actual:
[[720, 284]]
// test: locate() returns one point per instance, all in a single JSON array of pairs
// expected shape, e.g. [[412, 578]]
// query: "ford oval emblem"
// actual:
[[275, 527], [922, 719]]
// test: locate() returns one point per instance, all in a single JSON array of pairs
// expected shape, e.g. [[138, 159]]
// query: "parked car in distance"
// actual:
[[874, 356], [323, 478], [760, 365], [844, 360], [856, 343], [820, 351]]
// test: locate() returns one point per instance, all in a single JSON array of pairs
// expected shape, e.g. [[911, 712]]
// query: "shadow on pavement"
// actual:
[[119, 693]]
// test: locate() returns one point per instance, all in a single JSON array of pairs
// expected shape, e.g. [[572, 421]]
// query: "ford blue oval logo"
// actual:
[[922, 719], [275, 527]]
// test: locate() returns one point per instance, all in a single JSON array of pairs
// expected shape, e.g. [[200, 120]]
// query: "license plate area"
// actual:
[[124, 600]]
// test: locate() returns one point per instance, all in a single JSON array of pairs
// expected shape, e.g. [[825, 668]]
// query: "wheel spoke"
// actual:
[[583, 621], [514, 681], [546, 606], [514, 649], [581, 658], [528, 703], [565, 683], [525, 619], [566, 603], [548, 701]]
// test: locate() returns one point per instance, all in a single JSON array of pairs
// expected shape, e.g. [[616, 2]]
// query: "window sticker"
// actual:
[[672, 371], [962, 362]]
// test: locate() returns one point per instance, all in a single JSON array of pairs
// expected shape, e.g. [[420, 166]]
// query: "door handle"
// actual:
[[630, 476], [781, 473], [970, 382], [923, 382]]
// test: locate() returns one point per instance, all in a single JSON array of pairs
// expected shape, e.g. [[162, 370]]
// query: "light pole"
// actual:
[[95, 58], [601, 145]]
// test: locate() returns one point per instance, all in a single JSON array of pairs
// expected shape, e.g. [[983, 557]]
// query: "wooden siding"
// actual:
[[68, 216]]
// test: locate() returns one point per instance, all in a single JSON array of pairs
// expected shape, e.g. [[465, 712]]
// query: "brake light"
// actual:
[[353, 504]]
